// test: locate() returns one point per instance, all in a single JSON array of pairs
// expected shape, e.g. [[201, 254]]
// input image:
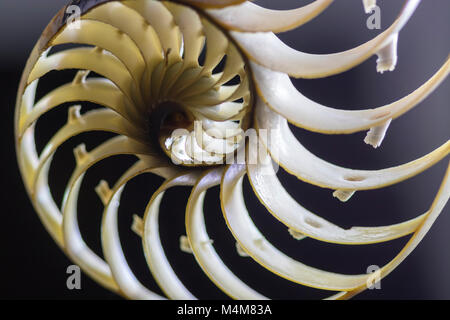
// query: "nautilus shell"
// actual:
[[153, 67]]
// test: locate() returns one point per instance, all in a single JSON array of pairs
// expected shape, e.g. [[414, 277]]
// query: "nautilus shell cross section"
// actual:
[[180, 84]]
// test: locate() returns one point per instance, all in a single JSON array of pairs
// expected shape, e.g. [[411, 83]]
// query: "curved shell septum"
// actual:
[[179, 84]]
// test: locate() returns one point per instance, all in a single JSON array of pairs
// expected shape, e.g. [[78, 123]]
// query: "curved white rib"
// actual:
[[278, 92], [202, 247], [268, 50], [435, 210], [262, 251], [287, 210], [73, 242], [112, 247], [249, 17], [154, 252], [286, 150]]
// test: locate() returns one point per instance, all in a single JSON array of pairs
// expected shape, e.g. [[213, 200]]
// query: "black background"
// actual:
[[32, 266]]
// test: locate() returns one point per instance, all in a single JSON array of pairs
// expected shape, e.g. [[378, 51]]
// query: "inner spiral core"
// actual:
[[199, 92], [168, 116]]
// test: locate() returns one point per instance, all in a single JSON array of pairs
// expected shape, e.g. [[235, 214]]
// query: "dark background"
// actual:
[[33, 267]]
